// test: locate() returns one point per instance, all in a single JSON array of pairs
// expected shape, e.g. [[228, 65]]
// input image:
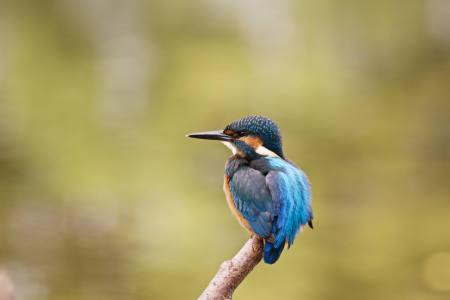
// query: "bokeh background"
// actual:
[[103, 197]]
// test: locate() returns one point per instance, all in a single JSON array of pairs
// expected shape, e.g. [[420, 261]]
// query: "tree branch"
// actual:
[[231, 273]]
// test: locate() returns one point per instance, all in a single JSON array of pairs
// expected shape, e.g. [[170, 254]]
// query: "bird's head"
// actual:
[[251, 137]]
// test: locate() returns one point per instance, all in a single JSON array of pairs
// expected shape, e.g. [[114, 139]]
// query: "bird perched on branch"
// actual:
[[269, 194]]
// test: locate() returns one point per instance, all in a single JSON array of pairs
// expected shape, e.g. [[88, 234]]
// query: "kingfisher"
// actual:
[[267, 192]]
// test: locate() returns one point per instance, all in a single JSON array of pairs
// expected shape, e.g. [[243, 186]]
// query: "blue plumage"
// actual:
[[252, 198], [291, 194], [271, 254], [269, 193], [263, 127], [283, 192]]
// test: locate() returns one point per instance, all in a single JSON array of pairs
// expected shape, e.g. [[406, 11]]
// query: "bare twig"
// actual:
[[231, 273]]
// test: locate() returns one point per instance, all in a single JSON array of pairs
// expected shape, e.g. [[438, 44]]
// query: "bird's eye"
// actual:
[[242, 133]]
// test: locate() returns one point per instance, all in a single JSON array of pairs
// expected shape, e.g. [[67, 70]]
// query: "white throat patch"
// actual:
[[231, 146], [261, 150]]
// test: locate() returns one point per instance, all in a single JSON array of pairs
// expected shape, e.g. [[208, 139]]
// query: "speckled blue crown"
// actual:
[[263, 127]]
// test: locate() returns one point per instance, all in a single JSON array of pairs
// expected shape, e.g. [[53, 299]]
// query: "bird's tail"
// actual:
[[272, 254]]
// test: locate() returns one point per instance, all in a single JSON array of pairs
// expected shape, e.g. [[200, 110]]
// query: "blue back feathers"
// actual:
[[291, 194], [274, 196]]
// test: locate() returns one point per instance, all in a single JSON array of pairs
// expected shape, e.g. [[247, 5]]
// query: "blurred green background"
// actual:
[[103, 197]]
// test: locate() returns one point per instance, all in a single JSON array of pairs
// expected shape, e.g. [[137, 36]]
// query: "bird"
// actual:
[[267, 192]]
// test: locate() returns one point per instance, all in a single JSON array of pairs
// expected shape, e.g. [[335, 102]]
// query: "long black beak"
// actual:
[[211, 135]]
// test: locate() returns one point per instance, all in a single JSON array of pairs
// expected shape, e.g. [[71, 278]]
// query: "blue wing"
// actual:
[[274, 197], [291, 195], [252, 198]]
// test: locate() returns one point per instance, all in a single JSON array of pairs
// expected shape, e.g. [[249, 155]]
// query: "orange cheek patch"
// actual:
[[229, 132], [252, 141]]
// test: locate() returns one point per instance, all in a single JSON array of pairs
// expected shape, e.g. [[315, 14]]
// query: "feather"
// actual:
[[274, 197], [291, 195], [251, 196]]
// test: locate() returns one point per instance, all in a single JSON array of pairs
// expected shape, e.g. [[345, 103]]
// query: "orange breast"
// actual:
[[234, 210]]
